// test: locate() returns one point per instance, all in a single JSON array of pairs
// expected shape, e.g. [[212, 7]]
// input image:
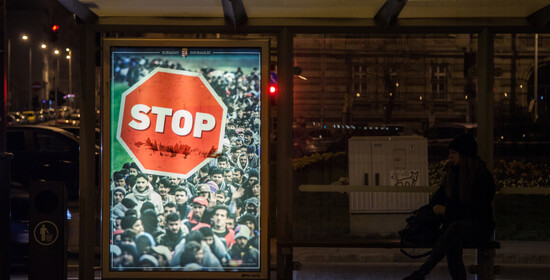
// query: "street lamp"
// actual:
[[26, 38], [56, 82], [69, 57]]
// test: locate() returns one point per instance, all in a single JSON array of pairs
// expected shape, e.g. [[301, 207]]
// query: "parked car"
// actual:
[[41, 153]]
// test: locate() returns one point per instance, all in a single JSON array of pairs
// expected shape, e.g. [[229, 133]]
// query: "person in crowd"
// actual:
[[162, 254], [181, 197], [228, 176], [196, 215], [193, 254], [252, 205], [128, 237], [231, 222], [119, 210], [219, 225], [241, 253], [464, 199], [118, 194], [203, 175], [253, 159], [118, 179], [144, 243], [222, 163], [217, 246], [143, 192], [130, 182], [220, 197], [148, 262], [130, 255], [149, 219], [252, 223], [174, 232], [134, 169], [238, 176], [217, 177], [116, 257], [133, 223], [164, 189], [234, 156], [256, 191]]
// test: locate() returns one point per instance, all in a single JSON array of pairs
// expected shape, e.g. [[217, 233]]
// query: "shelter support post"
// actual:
[[285, 191], [485, 96], [87, 174]]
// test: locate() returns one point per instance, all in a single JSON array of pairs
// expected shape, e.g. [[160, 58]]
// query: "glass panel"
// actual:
[[417, 103], [522, 136]]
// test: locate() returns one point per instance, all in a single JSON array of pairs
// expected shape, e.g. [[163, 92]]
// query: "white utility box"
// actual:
[[386, 161]]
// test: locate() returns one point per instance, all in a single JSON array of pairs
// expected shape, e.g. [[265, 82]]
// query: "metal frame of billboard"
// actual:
[[106, 169]]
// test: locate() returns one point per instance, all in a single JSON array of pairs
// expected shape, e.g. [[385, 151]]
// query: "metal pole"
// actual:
[[8, 94], [70, 74], [30, 78], [56, 83], [536, 85]]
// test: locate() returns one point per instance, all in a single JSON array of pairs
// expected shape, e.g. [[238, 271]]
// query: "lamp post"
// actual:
[[45, 69], [26, 38], [56, 82], [69, 57]]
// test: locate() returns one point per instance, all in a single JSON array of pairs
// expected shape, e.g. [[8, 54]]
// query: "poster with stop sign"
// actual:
[[185, 185], [171, 122]]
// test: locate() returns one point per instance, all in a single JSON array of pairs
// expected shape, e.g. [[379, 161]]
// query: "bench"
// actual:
[[485, 268]]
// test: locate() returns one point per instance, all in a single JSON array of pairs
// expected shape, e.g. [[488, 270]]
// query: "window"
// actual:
[[439, 81], [359, 80]]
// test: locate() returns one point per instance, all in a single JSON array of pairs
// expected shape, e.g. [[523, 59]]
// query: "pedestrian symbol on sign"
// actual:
[[46, 233]]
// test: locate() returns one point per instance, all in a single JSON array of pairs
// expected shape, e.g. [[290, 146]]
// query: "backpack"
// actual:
[[423, 228]]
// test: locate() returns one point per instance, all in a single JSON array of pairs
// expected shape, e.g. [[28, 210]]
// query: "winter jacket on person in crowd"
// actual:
[[147, 195]]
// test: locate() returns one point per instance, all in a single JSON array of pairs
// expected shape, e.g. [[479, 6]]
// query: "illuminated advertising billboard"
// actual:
[[184, 167]]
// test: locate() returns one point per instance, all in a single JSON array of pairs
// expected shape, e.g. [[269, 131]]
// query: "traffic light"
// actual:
[[273, 89], [54, 32]]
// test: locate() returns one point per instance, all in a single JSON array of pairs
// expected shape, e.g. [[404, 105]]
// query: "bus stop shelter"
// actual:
[[102, 18]]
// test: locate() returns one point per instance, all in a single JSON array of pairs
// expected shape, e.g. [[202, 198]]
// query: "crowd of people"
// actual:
[[209, 221]]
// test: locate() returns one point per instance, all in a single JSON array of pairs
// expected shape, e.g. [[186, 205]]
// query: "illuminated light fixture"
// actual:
[[391, 94], [466, 97], [520, 86], [43, 46], [68, 57], [396, 84], [420, 97], [505, 94], [502, 137], [67, 49], [24, 37], [358, 95], [56, 51], [302, 77]]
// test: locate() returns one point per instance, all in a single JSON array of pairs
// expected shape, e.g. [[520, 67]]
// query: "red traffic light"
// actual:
[[55, 28], [273, 89]]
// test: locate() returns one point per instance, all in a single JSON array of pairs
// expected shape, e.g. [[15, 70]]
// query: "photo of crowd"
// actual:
[[209, 221]]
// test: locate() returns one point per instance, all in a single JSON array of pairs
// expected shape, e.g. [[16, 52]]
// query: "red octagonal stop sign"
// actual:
[[171, 122]]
